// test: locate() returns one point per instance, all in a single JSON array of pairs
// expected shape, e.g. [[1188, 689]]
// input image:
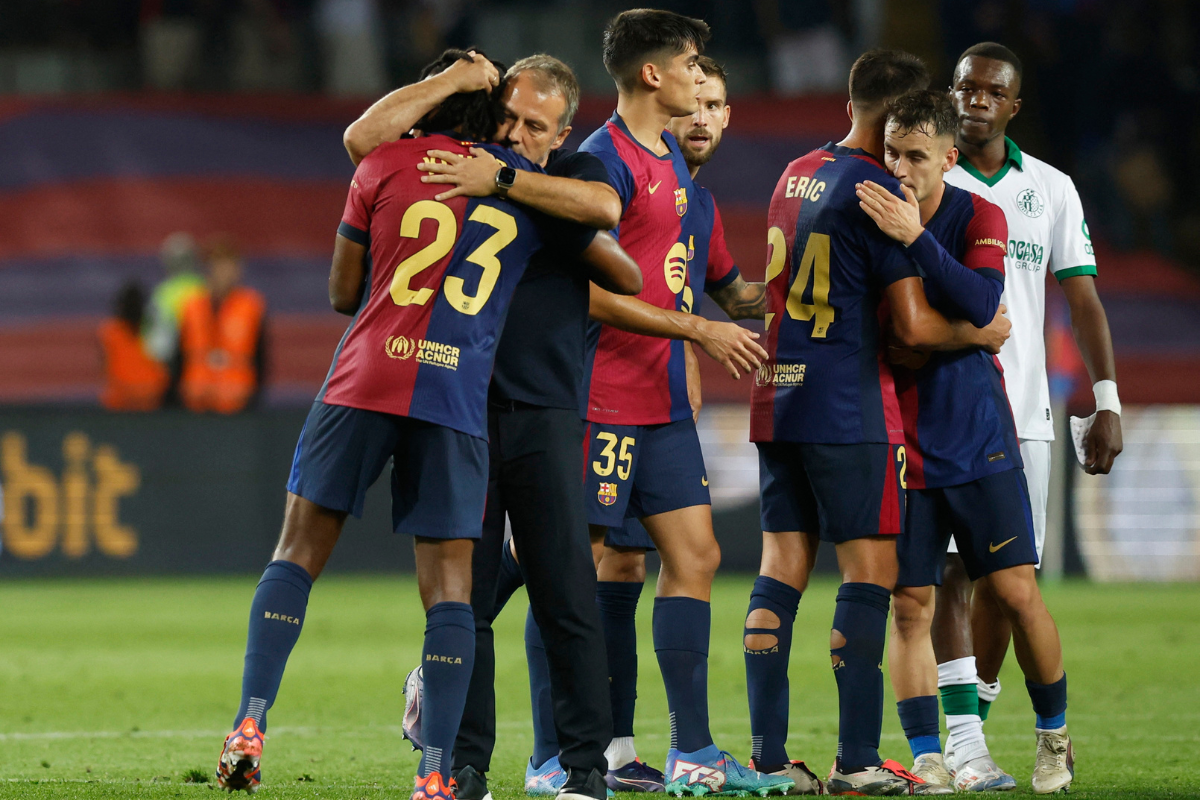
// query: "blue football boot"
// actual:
[[546, 780], [713, 771]]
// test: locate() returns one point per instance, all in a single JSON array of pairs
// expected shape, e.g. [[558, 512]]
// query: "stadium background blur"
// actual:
[[126, 121]]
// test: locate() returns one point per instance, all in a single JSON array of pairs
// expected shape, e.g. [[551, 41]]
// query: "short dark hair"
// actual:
[[924, 110], [879, 76], [994, 51], [475, 114], [634, 37], [712, 69]]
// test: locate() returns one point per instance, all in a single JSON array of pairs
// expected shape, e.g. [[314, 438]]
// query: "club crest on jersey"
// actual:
[[1030, 203], [681, 200], [607, 494], [714, 779]]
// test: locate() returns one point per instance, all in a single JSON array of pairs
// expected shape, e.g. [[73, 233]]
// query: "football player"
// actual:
[[408, 384], [1047, 233], [827, 424]]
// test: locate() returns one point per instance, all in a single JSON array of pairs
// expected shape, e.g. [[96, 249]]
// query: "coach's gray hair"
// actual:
[[552, 75]]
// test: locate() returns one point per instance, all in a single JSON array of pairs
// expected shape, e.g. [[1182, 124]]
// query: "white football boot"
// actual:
[[930, 768], [1054, 768], [982, 775]]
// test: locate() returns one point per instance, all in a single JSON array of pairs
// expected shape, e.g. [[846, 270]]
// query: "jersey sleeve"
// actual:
[[986, 240], [1071, 250], [721, 269], [356, 216], [620, 177], [581, 167]]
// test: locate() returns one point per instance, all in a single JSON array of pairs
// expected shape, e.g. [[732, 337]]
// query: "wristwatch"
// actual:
[[505, 177]]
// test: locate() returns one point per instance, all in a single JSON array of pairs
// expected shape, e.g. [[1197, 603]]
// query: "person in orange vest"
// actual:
[[133, 380], [221, 338]]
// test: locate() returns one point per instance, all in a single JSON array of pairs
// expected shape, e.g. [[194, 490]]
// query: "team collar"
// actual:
[[1012, 157], [672, 145]]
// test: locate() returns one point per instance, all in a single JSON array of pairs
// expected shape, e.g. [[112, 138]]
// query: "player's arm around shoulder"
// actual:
[[588, 202], [396, 113]]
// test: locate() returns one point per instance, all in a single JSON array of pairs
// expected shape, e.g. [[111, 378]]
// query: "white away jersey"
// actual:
[[1046, 231]]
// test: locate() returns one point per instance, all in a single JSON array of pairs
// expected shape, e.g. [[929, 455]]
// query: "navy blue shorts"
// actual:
[[642, 470], [840, 491], [439, 475], [631, 534], [989, 518]]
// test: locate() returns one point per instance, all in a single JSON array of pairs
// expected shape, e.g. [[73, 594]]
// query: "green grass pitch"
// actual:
[[121, 688]]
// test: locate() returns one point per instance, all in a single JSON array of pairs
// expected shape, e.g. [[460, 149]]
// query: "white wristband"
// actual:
[[1106, 396]]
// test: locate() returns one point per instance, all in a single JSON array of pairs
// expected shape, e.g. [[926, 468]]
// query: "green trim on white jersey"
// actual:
[[1046, 233], [1074, 272], [1012, 157]]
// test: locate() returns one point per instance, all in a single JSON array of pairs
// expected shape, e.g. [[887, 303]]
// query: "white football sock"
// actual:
[[620, 751], [988, 691], [964, 732]]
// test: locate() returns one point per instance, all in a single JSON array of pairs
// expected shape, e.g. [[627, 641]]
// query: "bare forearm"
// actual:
[[394, 115], [590, 203], [741, 300], [1090, 325], [637, 316]]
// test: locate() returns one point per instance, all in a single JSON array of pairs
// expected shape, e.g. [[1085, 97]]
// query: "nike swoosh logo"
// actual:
[[654, 187], [994, 547], [704, 481]]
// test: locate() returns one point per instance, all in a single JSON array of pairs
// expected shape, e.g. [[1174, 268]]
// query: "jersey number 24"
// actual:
[[485, 255], [814, 264]]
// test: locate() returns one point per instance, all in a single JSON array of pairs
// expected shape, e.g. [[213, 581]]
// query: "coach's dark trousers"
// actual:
[[536, 476]]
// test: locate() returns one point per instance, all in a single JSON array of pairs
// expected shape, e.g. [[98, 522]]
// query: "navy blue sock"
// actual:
[[618, 602], [276, 616], [919, 718], [1049, 703], [766, 671], [509, 580], [681, 631], [861, 619], [449, 657], [545, 738]]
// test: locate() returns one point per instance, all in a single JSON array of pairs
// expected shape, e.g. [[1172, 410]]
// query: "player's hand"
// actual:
[[471, 76], [1103, 443], [899, 219], [473, 176], [993, 337], [732, 346]]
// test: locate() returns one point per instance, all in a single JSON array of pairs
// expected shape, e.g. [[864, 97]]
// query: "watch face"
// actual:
[[506, 177]]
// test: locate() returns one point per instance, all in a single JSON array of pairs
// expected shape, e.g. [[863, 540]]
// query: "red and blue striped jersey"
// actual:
[[957, 421], [631, 379], [440, 280], [710, 264], [827, 380]]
